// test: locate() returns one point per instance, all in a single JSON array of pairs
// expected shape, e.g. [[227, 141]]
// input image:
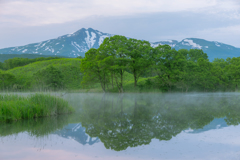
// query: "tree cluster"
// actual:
[[166, 69], [18, 62]]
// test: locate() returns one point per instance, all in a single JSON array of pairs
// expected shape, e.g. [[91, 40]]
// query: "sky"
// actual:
[[28, 21]]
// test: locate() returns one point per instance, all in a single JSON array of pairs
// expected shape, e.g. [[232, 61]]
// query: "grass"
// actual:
[[14, 107], [70, 68]]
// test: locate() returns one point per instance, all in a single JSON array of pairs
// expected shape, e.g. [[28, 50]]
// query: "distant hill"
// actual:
[[79, 42], [4, 57], [70, 68]]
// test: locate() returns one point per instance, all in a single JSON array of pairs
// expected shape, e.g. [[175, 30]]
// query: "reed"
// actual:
[[15, 107]]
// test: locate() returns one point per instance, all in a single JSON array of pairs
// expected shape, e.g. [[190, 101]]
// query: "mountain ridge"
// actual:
[[79, 42]]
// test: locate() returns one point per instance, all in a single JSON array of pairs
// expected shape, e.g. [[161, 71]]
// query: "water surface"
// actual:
[[130, 126]]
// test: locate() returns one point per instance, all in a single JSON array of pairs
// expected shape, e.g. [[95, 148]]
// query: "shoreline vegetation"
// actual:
[[16, 107]]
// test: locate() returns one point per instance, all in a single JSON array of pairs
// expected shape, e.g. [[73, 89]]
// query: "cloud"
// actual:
[[227, 34], [43, 12], [28, 21]]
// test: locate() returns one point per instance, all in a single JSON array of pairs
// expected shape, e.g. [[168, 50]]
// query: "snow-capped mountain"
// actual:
[[77, 133], [171, 43], [212, 48], [217, 123], [71, 45], [78, 43]]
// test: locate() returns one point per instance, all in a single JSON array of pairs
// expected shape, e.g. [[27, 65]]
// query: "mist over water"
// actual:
[[131, 126]]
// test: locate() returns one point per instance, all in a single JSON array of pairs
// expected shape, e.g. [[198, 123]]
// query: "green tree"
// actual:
[[206, 78], [93, 69], [114, 51], [7, 80], [49, 78], [18, 62], [193, 54], [220, 62], [233, 71], [168, 65], [139, 60], [2, 66], [188, 78]]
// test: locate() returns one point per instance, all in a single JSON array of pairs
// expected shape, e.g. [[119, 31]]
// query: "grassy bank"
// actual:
[[14, 107], [26, 75]]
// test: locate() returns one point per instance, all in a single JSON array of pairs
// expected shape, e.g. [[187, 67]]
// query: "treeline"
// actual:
[[18, 62], [166, 69], [4, 57], [161, 68]]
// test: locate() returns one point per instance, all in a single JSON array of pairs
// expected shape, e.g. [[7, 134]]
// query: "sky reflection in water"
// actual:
[[179, 127]]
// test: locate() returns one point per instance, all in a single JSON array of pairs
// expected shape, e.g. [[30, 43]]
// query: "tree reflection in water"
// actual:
[[133, 120]]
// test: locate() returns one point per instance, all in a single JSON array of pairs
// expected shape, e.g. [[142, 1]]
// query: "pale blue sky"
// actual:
[[28, 21]]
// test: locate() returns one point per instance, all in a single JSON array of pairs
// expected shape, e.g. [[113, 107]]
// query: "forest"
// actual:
[[123, 64]]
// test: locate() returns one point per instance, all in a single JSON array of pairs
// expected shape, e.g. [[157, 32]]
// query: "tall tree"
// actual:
[[193, 54], [115, 51], [233, 71], [168, 65], [206, 79], [139, 60], [93, 70]]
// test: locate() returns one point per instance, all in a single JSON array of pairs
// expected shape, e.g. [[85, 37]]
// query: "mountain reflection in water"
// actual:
[[133, 120], [124, 121]]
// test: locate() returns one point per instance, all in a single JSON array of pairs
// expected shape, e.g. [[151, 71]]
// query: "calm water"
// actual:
[[131, 127]]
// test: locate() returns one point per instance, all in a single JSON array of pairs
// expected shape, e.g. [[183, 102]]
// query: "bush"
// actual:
[[7, 80], [14, 107], [49, 78]]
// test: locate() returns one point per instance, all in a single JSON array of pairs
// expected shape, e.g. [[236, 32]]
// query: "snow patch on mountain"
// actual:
[[101, 39], [25, 50], [190, 42], [170, 41], [217, 44], [75, 128], [172, 45], [154, 45], [74, 45], [90, 39], [43, 45]]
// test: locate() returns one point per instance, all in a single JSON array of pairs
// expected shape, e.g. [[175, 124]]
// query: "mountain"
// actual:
[[71, 45], [77, 133], [212, 48], [217, 123], [76, 44]]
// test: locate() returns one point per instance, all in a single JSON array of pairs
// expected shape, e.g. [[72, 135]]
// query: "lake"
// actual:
[[130, 127]]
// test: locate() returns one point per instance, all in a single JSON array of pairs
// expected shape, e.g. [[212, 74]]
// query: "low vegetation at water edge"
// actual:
[[15, 107]]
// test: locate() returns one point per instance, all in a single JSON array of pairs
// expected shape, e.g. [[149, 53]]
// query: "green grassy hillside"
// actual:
[[25, 77], [70, 69], [4, 57]]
